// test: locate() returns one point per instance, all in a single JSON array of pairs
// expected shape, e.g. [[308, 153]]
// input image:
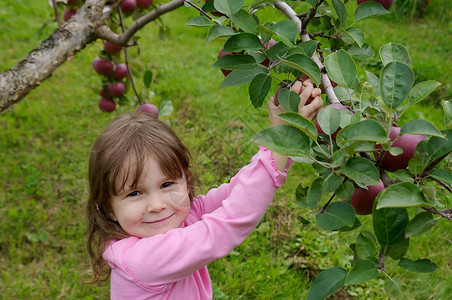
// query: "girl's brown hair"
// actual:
[[132, 135]]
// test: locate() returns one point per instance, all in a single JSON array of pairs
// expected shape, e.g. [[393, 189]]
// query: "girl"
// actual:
[[147, 230]]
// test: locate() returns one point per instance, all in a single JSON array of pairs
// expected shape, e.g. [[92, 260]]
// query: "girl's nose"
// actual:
[[156, 203]]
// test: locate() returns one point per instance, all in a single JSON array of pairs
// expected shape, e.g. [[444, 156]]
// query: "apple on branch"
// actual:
[[111, 48], [68, 13], [149, 108], [386, 3], [103, 66], [120, 71], [407, 142], [143, 4], [116, 89], [107, 104], [363, 199], [128, 5]]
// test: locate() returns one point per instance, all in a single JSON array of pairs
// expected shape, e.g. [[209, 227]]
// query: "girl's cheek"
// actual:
[[179, 198]]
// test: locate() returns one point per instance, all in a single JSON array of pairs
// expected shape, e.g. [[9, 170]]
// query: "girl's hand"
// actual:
[[309, 111]]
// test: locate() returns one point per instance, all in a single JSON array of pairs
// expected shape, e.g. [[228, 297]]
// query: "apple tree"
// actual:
[[370, 161]]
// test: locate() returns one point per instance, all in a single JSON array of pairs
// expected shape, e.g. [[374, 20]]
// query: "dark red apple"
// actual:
[[128, 5], [68, 13], [363, 200], [335, 105], [107, 104], [149, 108], [120, 71], [116, 89], [386, 3], [144, 3], [104, 92], [111, 48], [407, 142], [102, 66]]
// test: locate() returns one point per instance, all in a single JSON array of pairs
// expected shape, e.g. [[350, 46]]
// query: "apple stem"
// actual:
[[57, 12], [126, 58]]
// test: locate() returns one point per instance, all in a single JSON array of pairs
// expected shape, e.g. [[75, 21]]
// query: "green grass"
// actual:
[[45, 142]]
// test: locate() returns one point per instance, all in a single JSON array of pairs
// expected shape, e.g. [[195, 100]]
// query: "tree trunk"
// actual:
[[65, 42]]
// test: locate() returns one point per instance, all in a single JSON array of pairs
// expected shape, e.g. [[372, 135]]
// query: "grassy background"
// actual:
[[45, 142]]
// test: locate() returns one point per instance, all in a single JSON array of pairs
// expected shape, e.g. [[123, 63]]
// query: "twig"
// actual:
[[126, 58], [57, 12], [292, 15], [198, 8], [445, 213]]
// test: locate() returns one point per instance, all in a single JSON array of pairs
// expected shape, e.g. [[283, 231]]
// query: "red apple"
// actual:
[[363, 200], [386, 3], [111, 48], [144, 3], [407, 142], [128, 5], [68, 13], [102, 66], [107, 105], [149, 108], [104, 92], [120, 72], [116, 89], [335, 105]]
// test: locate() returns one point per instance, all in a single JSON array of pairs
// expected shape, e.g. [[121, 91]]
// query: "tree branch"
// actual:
[[292, 15], [445, 213]]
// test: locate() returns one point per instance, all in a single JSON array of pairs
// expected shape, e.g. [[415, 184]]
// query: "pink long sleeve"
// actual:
[[173, 265]]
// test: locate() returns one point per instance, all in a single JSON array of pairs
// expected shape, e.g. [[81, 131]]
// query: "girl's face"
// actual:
[[157, 205]]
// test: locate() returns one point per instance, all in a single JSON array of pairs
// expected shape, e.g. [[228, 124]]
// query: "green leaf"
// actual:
[[369, 9], [437, 147], [341, 11], [236, 62], [337, 215], [366, 130], [421, 90], [398, 250], [365, 245], [341, 68], [443, 175], [361, 53], [420, 265], [361, 170], [228, 7], [362, 271], [396, 81], [259, 88], [329, 120], [422, 127], [353, 35], [339, 158], [287, 31], [375, 82], [389, 225], [345, 191], [147, 78], [447, 106], [326, 283], [315, 192], [239, 77], [218, 31], [419, 224], [289, 99], [199, 21], [402, 194], [278, 50], [283, 139], [244, 21], [300, 122], [243, 41], [165, 107], [305, 65], [394, 52]]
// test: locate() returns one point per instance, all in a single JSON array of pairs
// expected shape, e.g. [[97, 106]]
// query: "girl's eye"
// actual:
[[133, 194], [166, 185]]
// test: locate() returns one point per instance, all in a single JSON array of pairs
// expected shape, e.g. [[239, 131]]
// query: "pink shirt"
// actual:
[[174, 265]]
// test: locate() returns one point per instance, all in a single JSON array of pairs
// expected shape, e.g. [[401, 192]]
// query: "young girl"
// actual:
[[148, 231]]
